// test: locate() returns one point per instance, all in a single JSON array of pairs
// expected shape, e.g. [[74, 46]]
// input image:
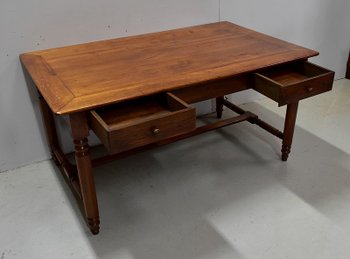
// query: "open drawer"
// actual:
[[293, 82], [139, 122]]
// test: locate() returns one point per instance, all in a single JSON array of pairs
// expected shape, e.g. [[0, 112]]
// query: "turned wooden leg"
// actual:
[[80, 132], [219, 106], [289, 125]]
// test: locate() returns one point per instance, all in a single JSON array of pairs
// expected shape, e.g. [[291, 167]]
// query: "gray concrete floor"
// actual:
[[224, 194]]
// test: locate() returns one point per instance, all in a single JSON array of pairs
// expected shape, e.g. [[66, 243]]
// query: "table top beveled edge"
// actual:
[[64, 101]]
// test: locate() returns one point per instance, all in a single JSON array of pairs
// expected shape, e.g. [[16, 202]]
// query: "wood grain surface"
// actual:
[[85, 76]]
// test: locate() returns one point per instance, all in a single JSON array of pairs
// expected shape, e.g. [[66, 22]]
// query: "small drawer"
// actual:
[[142, 121], [293, 82]]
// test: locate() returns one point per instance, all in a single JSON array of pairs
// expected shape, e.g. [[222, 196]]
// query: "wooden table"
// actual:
[[134, 92]]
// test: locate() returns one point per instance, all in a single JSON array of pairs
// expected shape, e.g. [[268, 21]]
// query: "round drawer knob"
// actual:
[[156, 131], [310, 89]]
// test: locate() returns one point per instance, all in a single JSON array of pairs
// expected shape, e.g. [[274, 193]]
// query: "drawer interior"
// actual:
[[139, 110], [293, 82], [134, 123], [294, 73]]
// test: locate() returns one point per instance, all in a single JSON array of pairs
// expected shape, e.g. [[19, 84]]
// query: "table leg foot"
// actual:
[[289, 125], [219, 106], [94, 225], [285, 152]]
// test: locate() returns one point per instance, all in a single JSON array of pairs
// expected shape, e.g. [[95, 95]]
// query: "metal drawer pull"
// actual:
[[155, 131], [310, 89]]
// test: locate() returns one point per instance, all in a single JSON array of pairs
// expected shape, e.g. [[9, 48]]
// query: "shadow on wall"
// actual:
[[34, 98], [20, 117]]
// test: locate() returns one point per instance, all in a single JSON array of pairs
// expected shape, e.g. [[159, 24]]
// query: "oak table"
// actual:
[[134, 92]]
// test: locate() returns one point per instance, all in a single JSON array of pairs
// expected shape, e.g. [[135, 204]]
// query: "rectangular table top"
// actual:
[[85, 76]]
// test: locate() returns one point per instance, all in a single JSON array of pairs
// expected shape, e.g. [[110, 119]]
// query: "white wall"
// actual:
[[38, 24]]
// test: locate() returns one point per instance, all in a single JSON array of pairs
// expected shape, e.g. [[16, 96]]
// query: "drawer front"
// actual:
[[141, 122], [306, 89], [152, 130], [209, 90], [288, 84]]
